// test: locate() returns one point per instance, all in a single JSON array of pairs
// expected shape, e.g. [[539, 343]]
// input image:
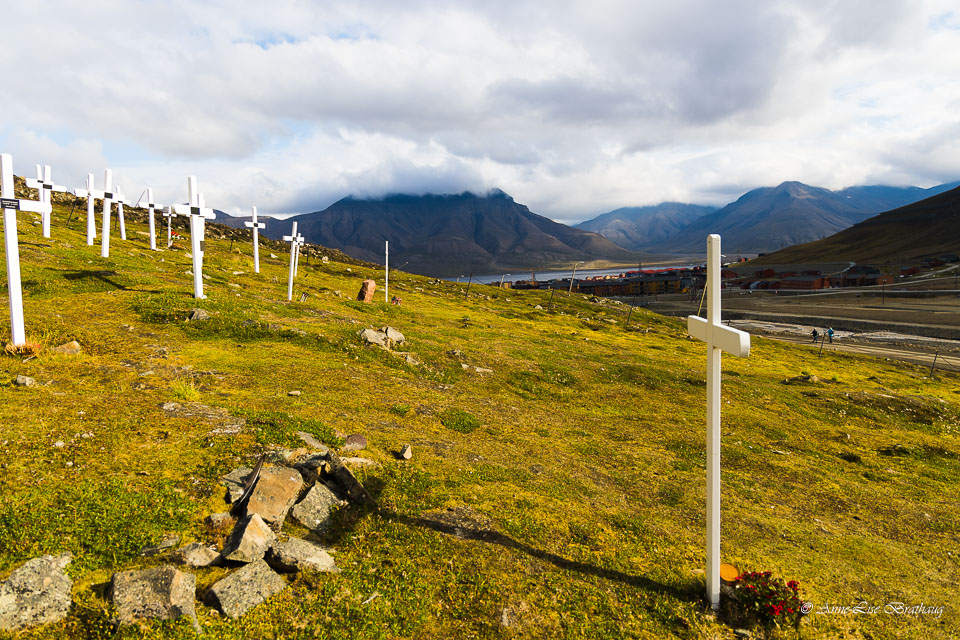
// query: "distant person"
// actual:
[[830, 334], [815, 335]]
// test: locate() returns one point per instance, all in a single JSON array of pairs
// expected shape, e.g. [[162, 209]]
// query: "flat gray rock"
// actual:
[[233, 481], [223, 422], [354, 442], [36, 593], [313, 511], [295, 554], [274, 494], [244, 589], [160, 593], [311, 441], [196, 555], [249, 540], [24, 381]]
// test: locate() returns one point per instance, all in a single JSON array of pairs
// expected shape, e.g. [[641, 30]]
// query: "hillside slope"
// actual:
[[929, 228], [556, 485]]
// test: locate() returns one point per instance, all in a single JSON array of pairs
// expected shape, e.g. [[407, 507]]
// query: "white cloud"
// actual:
[[572, 107]]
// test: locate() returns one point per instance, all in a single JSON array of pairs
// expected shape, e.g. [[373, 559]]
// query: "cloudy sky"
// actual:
[[574, 108]]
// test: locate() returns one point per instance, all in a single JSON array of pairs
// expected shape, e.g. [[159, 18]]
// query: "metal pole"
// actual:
[[822, 340], [934, 362], [573, 276], [553, 292], [386, 271], [468, 285]]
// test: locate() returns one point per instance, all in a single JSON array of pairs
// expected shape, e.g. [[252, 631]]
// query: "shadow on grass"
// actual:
[[103, 276], [465, 524]]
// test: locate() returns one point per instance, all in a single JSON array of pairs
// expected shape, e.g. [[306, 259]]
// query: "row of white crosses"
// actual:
[[109, 196]]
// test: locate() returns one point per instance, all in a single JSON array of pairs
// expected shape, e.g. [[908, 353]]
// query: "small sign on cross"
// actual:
[[718, 338], [11, 204]]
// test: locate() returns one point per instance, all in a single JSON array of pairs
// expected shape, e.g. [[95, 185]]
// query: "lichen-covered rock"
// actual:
[[36, 593], [244, 589], [161, 593], [196, 554], [295, 554], [234, 482], [249, 540], [313, 511], [274, 494]]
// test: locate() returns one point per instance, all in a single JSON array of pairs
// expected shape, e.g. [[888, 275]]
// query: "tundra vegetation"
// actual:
[[572, 472]]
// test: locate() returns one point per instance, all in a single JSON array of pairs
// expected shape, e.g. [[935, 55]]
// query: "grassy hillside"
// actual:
[[574, 472]]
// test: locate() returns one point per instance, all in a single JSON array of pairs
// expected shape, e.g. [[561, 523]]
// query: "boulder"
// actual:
[[198, 314], [24, 381], [71, 348], [348, 483], [370, 336], [249, 540], [313, 511], [366, 291], [36, 593], [196, 555], [295, 554], [244, 589], [161, 593], [354, 442], [394, 336], [274, 494], [406, 452]]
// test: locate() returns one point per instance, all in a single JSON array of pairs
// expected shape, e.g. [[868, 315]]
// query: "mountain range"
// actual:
[[443, 235], [637, 228], [762, 220]]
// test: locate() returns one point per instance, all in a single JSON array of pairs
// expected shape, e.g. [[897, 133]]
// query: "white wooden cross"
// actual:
[[718, 338], [107, 205], [255, 226], [168, 214], [294, 239], [151, 207], [11, 204], [45, 188], [296, 257], [199, 214], [91, 195], [121, 200], [386, 271]]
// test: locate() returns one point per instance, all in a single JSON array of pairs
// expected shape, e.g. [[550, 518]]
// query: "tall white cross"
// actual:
[[718, 338], [91, 195], [45, 188], [386, 271], [199, 214], [121, 200], [296, 257], [11, 204], [151, 207], [255, 226], [107, 205], [295, 240]]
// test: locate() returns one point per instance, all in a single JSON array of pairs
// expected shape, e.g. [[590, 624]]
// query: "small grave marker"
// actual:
[[45, 188], [198, 214], [11, 204], [151, 207], [121, 200], [255, 227], [718, 338], [91, 194], [294, 239], [107, 205], [386, 271]]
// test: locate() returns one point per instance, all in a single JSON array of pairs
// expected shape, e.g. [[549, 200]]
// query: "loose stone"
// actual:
[[244, 589]]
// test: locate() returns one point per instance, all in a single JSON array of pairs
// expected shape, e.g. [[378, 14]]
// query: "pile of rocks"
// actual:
[[308, 485]]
